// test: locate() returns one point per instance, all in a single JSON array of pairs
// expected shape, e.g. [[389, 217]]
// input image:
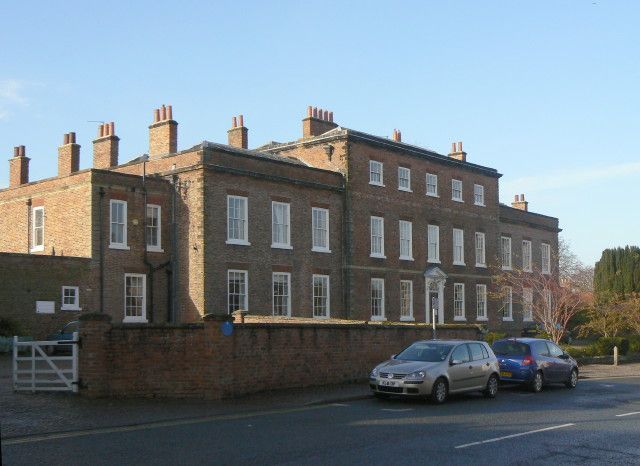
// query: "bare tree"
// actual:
[[572, 271]]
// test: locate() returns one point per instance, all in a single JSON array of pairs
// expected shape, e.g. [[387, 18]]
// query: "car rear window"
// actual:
[[510, 348]]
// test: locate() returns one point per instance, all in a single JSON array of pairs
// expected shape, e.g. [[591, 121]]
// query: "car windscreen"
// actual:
[[510, 348], [427, 352]]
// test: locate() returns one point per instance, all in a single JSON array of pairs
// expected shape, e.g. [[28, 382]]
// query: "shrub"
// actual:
[[634, 344], [490, 337], [9, 327], [604, 345]]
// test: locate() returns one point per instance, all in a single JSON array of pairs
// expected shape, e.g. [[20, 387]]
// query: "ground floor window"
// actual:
[[281, 294], [507, 303], [458, 301], [527, 304], [135, 297], [321, 296], [481, 299], [236, 290], [70, 298], [377, 299], [406, 300]]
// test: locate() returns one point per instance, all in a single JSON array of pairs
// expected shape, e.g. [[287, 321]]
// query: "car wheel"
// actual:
[[381, 396], [573, 379], [537, 382], [492, 387], [439, 391]]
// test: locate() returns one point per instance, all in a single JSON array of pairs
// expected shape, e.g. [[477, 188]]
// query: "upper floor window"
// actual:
[[478, 194], [505, 245], [237, 220], [321, 296], [406, 247], [376, 175], [237, 291], [480, 250], [70, 298], [507, 303], [280, 225], [456, 190], [118, 222], [481, 302], [432, 185], [458, 247], [433, 243], [320, 229], [406, 300], [526, 256], [377, 237], [377, 299], [458, 301], [154, 228], [281, 294], [404, 179], [37, 225], [546, 258]]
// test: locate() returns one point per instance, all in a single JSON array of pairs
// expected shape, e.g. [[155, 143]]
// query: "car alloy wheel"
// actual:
[[439, 391], [573, 379], [537, 382], [492, 387]]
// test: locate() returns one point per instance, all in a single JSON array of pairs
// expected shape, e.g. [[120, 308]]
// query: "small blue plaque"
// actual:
[[227, 328]]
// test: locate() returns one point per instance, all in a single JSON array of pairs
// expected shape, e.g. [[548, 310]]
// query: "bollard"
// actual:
[[615, 355]]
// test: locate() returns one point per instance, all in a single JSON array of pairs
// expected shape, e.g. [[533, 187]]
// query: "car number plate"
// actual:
[[505, 374], [388, 383]]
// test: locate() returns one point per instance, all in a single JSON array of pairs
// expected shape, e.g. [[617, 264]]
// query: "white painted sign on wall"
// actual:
[[45, 307]]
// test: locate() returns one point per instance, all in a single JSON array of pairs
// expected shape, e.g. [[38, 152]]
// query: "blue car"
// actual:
[[535, 362]]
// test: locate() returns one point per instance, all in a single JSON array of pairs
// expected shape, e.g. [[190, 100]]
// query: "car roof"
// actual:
[[521, 340], [451, 342]]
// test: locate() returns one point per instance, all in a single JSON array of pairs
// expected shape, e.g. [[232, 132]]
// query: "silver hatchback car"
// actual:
[[435, 368]]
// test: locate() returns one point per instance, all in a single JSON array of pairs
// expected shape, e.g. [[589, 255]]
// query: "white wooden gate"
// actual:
[[38, 371]]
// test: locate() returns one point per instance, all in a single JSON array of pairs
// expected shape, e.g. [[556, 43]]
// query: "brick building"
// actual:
[[338, 224]]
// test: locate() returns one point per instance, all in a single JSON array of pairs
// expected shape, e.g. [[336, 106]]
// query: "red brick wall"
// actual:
[[196, 360]]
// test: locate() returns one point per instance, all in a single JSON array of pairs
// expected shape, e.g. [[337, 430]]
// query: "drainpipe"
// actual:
[[101, 246], [174, 253], [29, 226]]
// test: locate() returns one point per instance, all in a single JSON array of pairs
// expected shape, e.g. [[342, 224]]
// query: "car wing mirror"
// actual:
[[455, 362], [393, 356], [564, 356]]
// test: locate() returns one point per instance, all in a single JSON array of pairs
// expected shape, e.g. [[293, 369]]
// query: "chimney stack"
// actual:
[[520, 203], [238, 134], [317, 122], [397, 135], [18, 167], [105, 147], [68, 155], [457, 152], [163, 133]]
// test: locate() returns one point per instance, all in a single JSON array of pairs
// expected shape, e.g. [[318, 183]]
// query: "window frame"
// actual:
[[454, 190], [380, 317], [527, 246], [142, 318], [245, 241], [380, 254], [508, 293], [483, 293], [287, 211], [545, 270], [328, 297], [476, 194], [459, 302], [246, 290], [527, 303], [505, 266], [435, 228], [408, 178], [435, 185], [406, 317], [37, 247], [273, 294], [410, 239], [373, 163], [124, 244], [70, 307], [461, 246], [154, 247], [315, 248], [483, 262]]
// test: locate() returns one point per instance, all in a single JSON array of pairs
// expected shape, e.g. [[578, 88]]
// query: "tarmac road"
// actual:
[[597, 423]]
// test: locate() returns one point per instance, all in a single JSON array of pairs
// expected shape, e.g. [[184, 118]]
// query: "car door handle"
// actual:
[[470, 367], [487, 364]]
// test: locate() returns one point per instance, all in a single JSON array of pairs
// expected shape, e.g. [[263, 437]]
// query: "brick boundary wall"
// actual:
[[197, 360]]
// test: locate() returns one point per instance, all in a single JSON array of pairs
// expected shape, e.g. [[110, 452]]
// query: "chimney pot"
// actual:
[[65, 139], [101, 130], [309, 111], [516, 198], [16, 151], [72, 138], [453, 147], [331, 117], [522, 197], [23, 151], [241, 121], [156, 115], [315, 112], [326, 115], [460, 146], [234, 122], [112, 129], [169, 112], [163, 113]]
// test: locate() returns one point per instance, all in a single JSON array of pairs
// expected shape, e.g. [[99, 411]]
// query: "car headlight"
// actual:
[[419, 375], [374, 372]]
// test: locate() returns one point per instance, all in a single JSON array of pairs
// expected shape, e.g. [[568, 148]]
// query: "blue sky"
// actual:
[[546, 92]]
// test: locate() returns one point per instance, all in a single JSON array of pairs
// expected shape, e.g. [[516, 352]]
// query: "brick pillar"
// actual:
[[163, 133], [105, 147], [18, 167], [457, 152], [317, 122], [94, 369], [68, 155], [238, 134]]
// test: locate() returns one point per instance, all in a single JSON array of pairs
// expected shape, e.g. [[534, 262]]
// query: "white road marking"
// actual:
[[627, 414], [607, 385], [514, 435], [397, 410], [338, 404]]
